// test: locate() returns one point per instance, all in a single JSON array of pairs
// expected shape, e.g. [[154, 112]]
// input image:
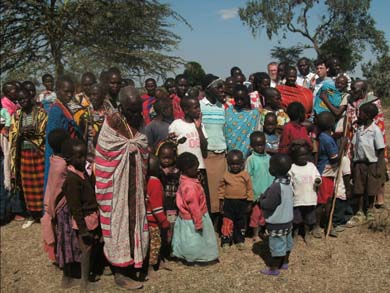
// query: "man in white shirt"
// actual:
[[273, 73], [304, 75]]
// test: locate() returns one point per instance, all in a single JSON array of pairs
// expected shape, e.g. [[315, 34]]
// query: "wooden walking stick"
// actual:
[[337, 178]]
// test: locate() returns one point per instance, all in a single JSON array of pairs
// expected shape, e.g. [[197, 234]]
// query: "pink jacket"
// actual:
[[191, 200], [10, 106], [55, 181]]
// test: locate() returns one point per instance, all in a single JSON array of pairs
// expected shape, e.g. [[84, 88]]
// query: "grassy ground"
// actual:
[[357, 261]]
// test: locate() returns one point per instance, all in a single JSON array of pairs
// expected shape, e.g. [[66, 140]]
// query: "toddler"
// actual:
[[257, 166], [271, 135], [277, 205], [193, 238], [235, 193]]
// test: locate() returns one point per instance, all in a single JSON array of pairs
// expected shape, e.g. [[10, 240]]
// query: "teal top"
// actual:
[[5, 117], [213, 119], [257, 165]]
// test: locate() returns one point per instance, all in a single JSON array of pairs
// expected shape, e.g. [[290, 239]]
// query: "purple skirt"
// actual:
[[68, 250]]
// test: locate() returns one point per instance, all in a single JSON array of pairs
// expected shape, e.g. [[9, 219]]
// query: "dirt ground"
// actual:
[[357, 261]]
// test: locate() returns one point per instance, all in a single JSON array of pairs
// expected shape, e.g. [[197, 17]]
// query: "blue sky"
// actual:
[[219, 40]]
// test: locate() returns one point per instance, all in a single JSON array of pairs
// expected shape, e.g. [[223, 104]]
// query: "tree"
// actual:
[[346, 21], [194, 72], [378, 76], [67, 35], [289, 55]]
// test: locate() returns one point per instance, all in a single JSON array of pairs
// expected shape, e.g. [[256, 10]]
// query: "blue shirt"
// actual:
[[328, 150], [213, 119]]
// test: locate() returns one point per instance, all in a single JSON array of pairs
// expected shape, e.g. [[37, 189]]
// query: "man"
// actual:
[[121, 157], [282, 68], [291, 92], [335, 70], [273, 73], [182, 87], [304, 75], [149, 98], [213, 118], [113, 82]]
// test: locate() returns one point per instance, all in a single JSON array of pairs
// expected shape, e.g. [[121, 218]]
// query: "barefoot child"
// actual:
[[368, 157], [235, 193], [193, 238], [77, 216], [327, 161], [277, 205], [157, 219], [257, 165], [305, 179]]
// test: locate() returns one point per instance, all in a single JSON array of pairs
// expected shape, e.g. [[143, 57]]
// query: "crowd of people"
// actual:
[[130, 179]]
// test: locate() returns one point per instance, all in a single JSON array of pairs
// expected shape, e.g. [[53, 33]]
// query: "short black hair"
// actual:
[[295, 145], [240, 87], [46, 76], [63, 79], [258, 77], [6, 87], [303, 59], [160, 104], [68, 146], [291, 68], [234, 68], [370, 109], [269, 92], [89, 75], [27, 83], [296, 111], [270, 114], [112, 71], [56, 138], [180, 76], [150, 79], [154, 166], [234, 153], [280, 164], [325, 121], [169, 79], [255, 134], [185, 161], [319, 62], [184, 101]]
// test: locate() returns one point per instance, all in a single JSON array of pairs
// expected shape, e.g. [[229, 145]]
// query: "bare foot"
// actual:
[[164, 265], [127, 283], [68, 282], [88, 286], [256, 239], [152, 274]]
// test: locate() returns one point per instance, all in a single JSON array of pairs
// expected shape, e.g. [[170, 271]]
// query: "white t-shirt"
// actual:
[[302, 178], [192, 144]]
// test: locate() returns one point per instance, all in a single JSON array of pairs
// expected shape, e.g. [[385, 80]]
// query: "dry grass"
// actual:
[[357, 261]]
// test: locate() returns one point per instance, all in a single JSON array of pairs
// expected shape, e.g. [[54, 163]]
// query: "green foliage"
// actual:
[[290, 55], [378, 76], [194, 72], [88, 35], [344, 22]]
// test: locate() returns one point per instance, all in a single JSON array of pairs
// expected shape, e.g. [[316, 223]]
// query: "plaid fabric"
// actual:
[[155, 245], [32, 173]]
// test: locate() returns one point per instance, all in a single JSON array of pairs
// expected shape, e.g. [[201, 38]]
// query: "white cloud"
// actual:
[[228, 13]]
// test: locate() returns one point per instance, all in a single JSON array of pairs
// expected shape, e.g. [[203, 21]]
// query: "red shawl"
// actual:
[[296, 94]]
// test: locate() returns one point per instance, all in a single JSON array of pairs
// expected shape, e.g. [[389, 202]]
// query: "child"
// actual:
[[48, 96], [148, 99], [327, 161], [305, 179], [157, 219], [277, 205], [76, 215], [257, 165], [192, 129], [55, 181], [294, 129], [235, 193], [158, 129], [271, 136], [328, 92], [273, 103], [194, 238], [368, 157]]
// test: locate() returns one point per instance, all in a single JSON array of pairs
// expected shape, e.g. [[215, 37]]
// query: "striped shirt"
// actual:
[[213, 119]]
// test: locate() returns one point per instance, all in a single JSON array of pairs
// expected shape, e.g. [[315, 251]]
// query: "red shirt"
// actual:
[[154, 208], [177, 110], [292, 131]]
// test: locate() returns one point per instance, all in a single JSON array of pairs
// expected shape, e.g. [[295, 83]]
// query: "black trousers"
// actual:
[[235, 210]]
